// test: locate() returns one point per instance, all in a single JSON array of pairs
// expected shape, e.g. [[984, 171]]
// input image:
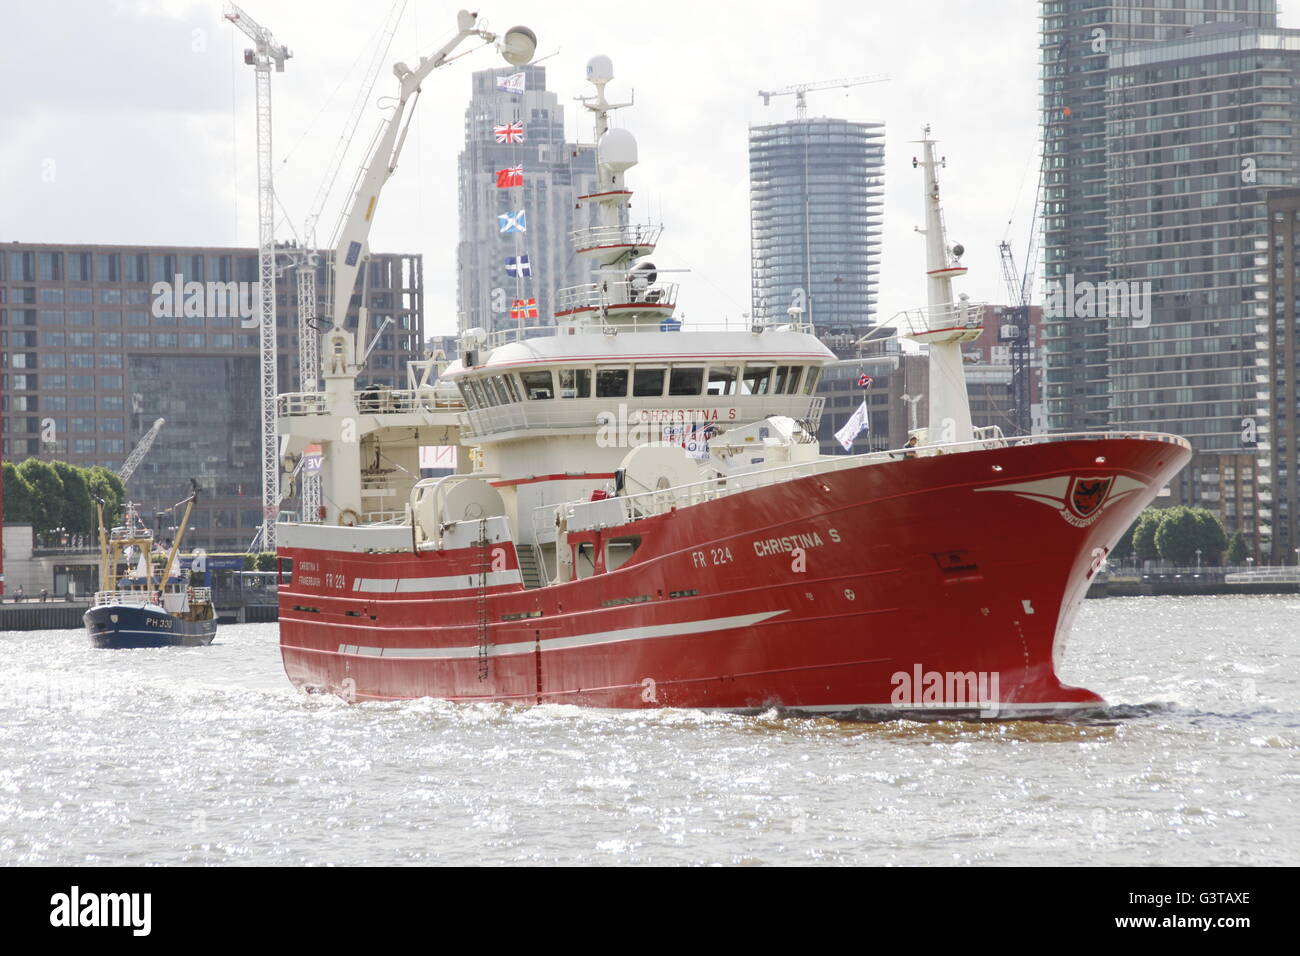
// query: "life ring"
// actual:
[[349, 522]]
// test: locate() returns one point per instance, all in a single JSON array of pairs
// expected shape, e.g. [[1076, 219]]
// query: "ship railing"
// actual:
[[967, 315], [596, 237], [591, 324], [384, 517], [598, 514], [124, 597], [594, 295], [376, 401], [559, 415]]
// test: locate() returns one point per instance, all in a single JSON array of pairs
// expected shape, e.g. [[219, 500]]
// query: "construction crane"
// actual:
[[800, 89], [1017, 336], [139, 451], [265, 54]]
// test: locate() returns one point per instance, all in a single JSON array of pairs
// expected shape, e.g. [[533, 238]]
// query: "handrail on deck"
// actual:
[[663, 500]]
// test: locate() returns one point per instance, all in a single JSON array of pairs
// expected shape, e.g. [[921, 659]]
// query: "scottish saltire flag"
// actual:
[[510, 133], [514, 83], [523, 309], [859, 422], [519, 267], [514, 221], [510, 177]]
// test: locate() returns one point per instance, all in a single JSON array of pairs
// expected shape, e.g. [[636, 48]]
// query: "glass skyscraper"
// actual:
[[1198, 129], [89, 359], [816, 198], [1078, 38]]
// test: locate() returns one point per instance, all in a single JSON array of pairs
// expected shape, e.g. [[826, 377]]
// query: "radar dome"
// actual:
[[617, 149], [600, 69]]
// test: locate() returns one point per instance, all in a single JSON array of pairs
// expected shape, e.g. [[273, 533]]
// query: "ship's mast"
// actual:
[[949, 322], [627, 294]]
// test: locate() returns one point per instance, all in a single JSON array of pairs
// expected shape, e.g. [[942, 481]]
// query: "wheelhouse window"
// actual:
[[648, 382], [810, 380], [755, 380], [512, 390], [786, 380], [611, 383], [686, 380], [722, 380], [537, 385], [467, 393], [497, 390], [575, 382]]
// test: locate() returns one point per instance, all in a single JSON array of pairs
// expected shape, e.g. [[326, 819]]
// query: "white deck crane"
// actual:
[[801, 89], [347, 358], [307, 258], [265, 54], [139, 451]]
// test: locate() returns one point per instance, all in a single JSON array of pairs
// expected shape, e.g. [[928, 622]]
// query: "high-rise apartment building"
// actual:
[[816, 200], [1199, 128], [1278, 381], [516, 164], [1078, 40], [93, 351]]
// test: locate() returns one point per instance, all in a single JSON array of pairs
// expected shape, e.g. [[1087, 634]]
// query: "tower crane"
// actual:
[[139, 451], [800, 89], [1019, 295], [265, 54]]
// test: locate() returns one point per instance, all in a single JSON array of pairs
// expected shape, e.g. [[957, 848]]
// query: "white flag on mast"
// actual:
[[859, 422]]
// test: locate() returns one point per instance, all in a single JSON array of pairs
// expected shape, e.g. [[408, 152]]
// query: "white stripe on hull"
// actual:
[[454, 582], [648, 632]]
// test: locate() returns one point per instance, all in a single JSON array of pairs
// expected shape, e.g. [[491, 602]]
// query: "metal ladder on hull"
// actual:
[[484, 563]]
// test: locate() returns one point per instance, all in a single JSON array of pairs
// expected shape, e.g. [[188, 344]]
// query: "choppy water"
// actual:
[[208, 756]]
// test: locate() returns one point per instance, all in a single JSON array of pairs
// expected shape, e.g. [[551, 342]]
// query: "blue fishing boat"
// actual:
[[144, 609]]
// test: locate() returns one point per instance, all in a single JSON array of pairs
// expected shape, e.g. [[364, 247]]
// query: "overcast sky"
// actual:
[[132, 121]]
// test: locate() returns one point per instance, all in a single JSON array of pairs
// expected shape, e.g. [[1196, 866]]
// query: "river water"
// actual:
[[208, 756]]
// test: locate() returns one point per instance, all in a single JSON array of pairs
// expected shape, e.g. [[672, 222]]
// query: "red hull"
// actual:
[[928, 566]]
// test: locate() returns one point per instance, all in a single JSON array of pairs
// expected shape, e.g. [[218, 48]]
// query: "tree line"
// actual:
[[57, 496], [1176, 535]]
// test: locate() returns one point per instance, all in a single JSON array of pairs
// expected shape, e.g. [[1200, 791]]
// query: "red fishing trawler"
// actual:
[[642, 518]]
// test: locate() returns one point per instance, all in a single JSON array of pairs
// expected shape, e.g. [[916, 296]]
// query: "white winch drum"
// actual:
[[467, 500]]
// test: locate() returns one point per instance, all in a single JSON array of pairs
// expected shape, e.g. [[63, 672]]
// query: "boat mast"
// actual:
[[104, 567], [180, 532], [949, 323]]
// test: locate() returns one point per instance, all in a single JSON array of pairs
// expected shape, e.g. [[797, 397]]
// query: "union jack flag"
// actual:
[[510, 176], [523, 309], [510, 133], [864, 380]]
